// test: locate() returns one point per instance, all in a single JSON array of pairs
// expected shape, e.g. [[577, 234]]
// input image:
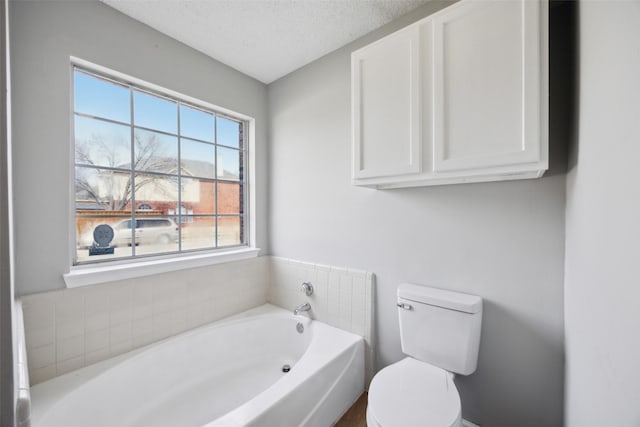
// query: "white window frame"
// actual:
[[120, 269]]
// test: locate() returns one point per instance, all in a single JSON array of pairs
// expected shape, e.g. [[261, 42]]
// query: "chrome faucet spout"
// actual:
[[302, 307]]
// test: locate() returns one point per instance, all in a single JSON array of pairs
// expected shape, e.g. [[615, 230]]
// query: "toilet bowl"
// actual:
[[411, 393], [440, 334]]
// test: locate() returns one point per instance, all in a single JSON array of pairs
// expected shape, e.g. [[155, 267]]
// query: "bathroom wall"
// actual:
[[44, 34], [603, 222], [503, 241]]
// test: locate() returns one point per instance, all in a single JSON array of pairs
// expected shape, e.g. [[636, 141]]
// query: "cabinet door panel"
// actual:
[[486, 105], [386, 107]]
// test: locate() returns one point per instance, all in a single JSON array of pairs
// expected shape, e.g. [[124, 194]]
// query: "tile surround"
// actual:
[[68, 329], [342, 297]]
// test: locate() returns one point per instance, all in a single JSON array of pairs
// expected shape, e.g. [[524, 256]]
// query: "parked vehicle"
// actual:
[[147, 231]]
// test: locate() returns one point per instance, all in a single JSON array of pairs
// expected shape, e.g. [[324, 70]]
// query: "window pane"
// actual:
[[228, 163], [229, 198], [155, 113], [228, 132], [229, 231], [155, 234], [198, 196], [199, 233], [84, 232], [102, 143], [155, 152], [102, 190], [158, 191], [196, 124], [101, 98], [198, 158], [180, 169], [123, 232]]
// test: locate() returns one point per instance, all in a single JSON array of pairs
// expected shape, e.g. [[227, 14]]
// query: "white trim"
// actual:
[[466, 423], [251, 210], [23, 396], [93, 274]]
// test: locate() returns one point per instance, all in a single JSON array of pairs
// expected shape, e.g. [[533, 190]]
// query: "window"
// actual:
[[180, 163]]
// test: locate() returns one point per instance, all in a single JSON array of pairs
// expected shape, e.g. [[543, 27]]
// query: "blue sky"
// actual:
[[108, 100]]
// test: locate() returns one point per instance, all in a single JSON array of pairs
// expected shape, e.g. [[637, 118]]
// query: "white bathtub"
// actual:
[[228, 373]]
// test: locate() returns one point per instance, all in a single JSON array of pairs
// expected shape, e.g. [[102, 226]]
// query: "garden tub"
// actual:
[[264, 367]]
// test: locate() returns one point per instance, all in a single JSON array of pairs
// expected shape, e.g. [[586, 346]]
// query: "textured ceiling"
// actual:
[[265, 39]]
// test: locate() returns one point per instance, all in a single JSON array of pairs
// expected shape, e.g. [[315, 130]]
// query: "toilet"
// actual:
[[440, 334]]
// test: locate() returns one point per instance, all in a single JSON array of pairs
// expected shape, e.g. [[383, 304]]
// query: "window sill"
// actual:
[[91, 275]]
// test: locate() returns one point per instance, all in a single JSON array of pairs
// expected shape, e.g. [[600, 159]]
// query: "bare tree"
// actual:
[[113, 188]]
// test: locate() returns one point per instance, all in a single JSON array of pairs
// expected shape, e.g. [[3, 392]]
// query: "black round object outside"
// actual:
[[103, 235]]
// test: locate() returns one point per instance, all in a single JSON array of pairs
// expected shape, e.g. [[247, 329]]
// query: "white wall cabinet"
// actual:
[[460, 96]]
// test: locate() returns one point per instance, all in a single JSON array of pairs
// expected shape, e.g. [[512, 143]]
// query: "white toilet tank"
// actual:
[[440, 327]]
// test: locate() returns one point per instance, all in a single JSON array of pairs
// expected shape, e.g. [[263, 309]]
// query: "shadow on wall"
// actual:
[[532, 346], [563, 90], [529, 353]]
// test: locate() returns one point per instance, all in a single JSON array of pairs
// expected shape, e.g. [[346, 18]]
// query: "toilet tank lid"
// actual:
[[441, 298]]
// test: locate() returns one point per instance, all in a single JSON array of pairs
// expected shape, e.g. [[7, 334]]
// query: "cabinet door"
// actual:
[[487, 80], [386, 106]]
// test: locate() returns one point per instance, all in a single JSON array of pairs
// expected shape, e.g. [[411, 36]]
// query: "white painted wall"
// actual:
[[44, 34], [8, 375], [602, 289], [503, 241]]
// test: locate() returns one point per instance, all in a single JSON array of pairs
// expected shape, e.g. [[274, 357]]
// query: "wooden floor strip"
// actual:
[[356, 416]]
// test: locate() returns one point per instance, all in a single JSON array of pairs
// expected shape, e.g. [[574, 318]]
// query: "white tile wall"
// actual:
[[66, 330], [72, 328], [342, 297]]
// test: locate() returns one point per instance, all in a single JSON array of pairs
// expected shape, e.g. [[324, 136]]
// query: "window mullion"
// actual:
[[179, 207], [132, 177], [242, 177], [215, 182]]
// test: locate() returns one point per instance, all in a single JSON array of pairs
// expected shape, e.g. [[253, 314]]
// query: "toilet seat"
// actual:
[[411, 393]]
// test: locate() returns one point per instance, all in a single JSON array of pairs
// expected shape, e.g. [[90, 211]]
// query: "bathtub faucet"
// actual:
[[302, 307]]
